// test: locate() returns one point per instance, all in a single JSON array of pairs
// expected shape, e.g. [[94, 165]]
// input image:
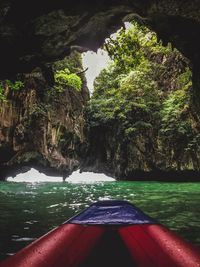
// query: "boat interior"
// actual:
[[109, 251]]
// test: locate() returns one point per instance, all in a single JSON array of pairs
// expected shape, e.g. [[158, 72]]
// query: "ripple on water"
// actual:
[[29, 211], [53, 206], [75, 206], [31, 222], [104, 198]]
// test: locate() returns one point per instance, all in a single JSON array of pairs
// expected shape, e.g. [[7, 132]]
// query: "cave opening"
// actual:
[[140, 88]]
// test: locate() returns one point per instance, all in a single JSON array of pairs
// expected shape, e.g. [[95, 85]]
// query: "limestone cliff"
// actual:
[[42, 127], [142, 142]]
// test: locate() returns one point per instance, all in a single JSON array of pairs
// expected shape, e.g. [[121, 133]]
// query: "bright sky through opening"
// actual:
[[96, 62]]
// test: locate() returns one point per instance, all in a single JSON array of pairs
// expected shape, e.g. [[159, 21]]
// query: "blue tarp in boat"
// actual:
[[112, 212]]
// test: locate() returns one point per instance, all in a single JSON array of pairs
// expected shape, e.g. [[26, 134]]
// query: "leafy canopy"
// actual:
[[129, 95], [66, 72], [14, 86], [64, 77]]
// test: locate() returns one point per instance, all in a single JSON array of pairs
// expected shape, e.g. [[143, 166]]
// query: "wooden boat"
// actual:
[[108, 233]]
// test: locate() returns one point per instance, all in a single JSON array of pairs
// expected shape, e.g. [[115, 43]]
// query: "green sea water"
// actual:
[[29, 210]]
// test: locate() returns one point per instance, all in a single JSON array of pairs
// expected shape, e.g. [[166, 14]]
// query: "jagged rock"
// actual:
[[42, 128]]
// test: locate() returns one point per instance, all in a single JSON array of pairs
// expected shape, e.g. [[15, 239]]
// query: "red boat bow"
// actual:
[[108, 233]]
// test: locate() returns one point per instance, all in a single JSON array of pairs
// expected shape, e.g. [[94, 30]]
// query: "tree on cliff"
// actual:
[[144, 92]]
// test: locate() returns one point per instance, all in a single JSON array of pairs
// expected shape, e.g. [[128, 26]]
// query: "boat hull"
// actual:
[[83, 243]]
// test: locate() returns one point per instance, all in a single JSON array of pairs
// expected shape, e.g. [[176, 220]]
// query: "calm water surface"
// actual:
[[27, 210]]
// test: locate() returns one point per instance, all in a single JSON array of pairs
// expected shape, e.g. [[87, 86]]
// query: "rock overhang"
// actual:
[[34, 33]]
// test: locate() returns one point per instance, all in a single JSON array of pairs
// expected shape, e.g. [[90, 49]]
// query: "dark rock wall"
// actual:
[[41, 31], [42, 128]]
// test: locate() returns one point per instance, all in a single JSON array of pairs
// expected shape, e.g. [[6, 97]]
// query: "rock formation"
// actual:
[[41, 127]]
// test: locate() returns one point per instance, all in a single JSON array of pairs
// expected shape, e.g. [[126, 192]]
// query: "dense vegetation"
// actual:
[[67, 72], [142, 99], [9, 85], [66, 75]]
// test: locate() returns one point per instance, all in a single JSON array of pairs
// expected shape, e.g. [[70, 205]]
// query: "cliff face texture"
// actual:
[[159, 141], [41, 127]]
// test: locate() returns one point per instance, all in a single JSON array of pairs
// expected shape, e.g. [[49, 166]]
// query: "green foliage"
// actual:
[[128, 98], [126, 91], [130, 48], [175, 108], [73, 63], [124, 50], [65, 72], [64, 77], [2, 96], [13, 86], [177, 126], [131, 104], [184, 80]]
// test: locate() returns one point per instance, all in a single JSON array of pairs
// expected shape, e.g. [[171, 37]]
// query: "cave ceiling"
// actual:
[[34, 33]]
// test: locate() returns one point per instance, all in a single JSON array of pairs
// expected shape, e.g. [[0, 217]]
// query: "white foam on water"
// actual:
[[34, 176], [88, 177]]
